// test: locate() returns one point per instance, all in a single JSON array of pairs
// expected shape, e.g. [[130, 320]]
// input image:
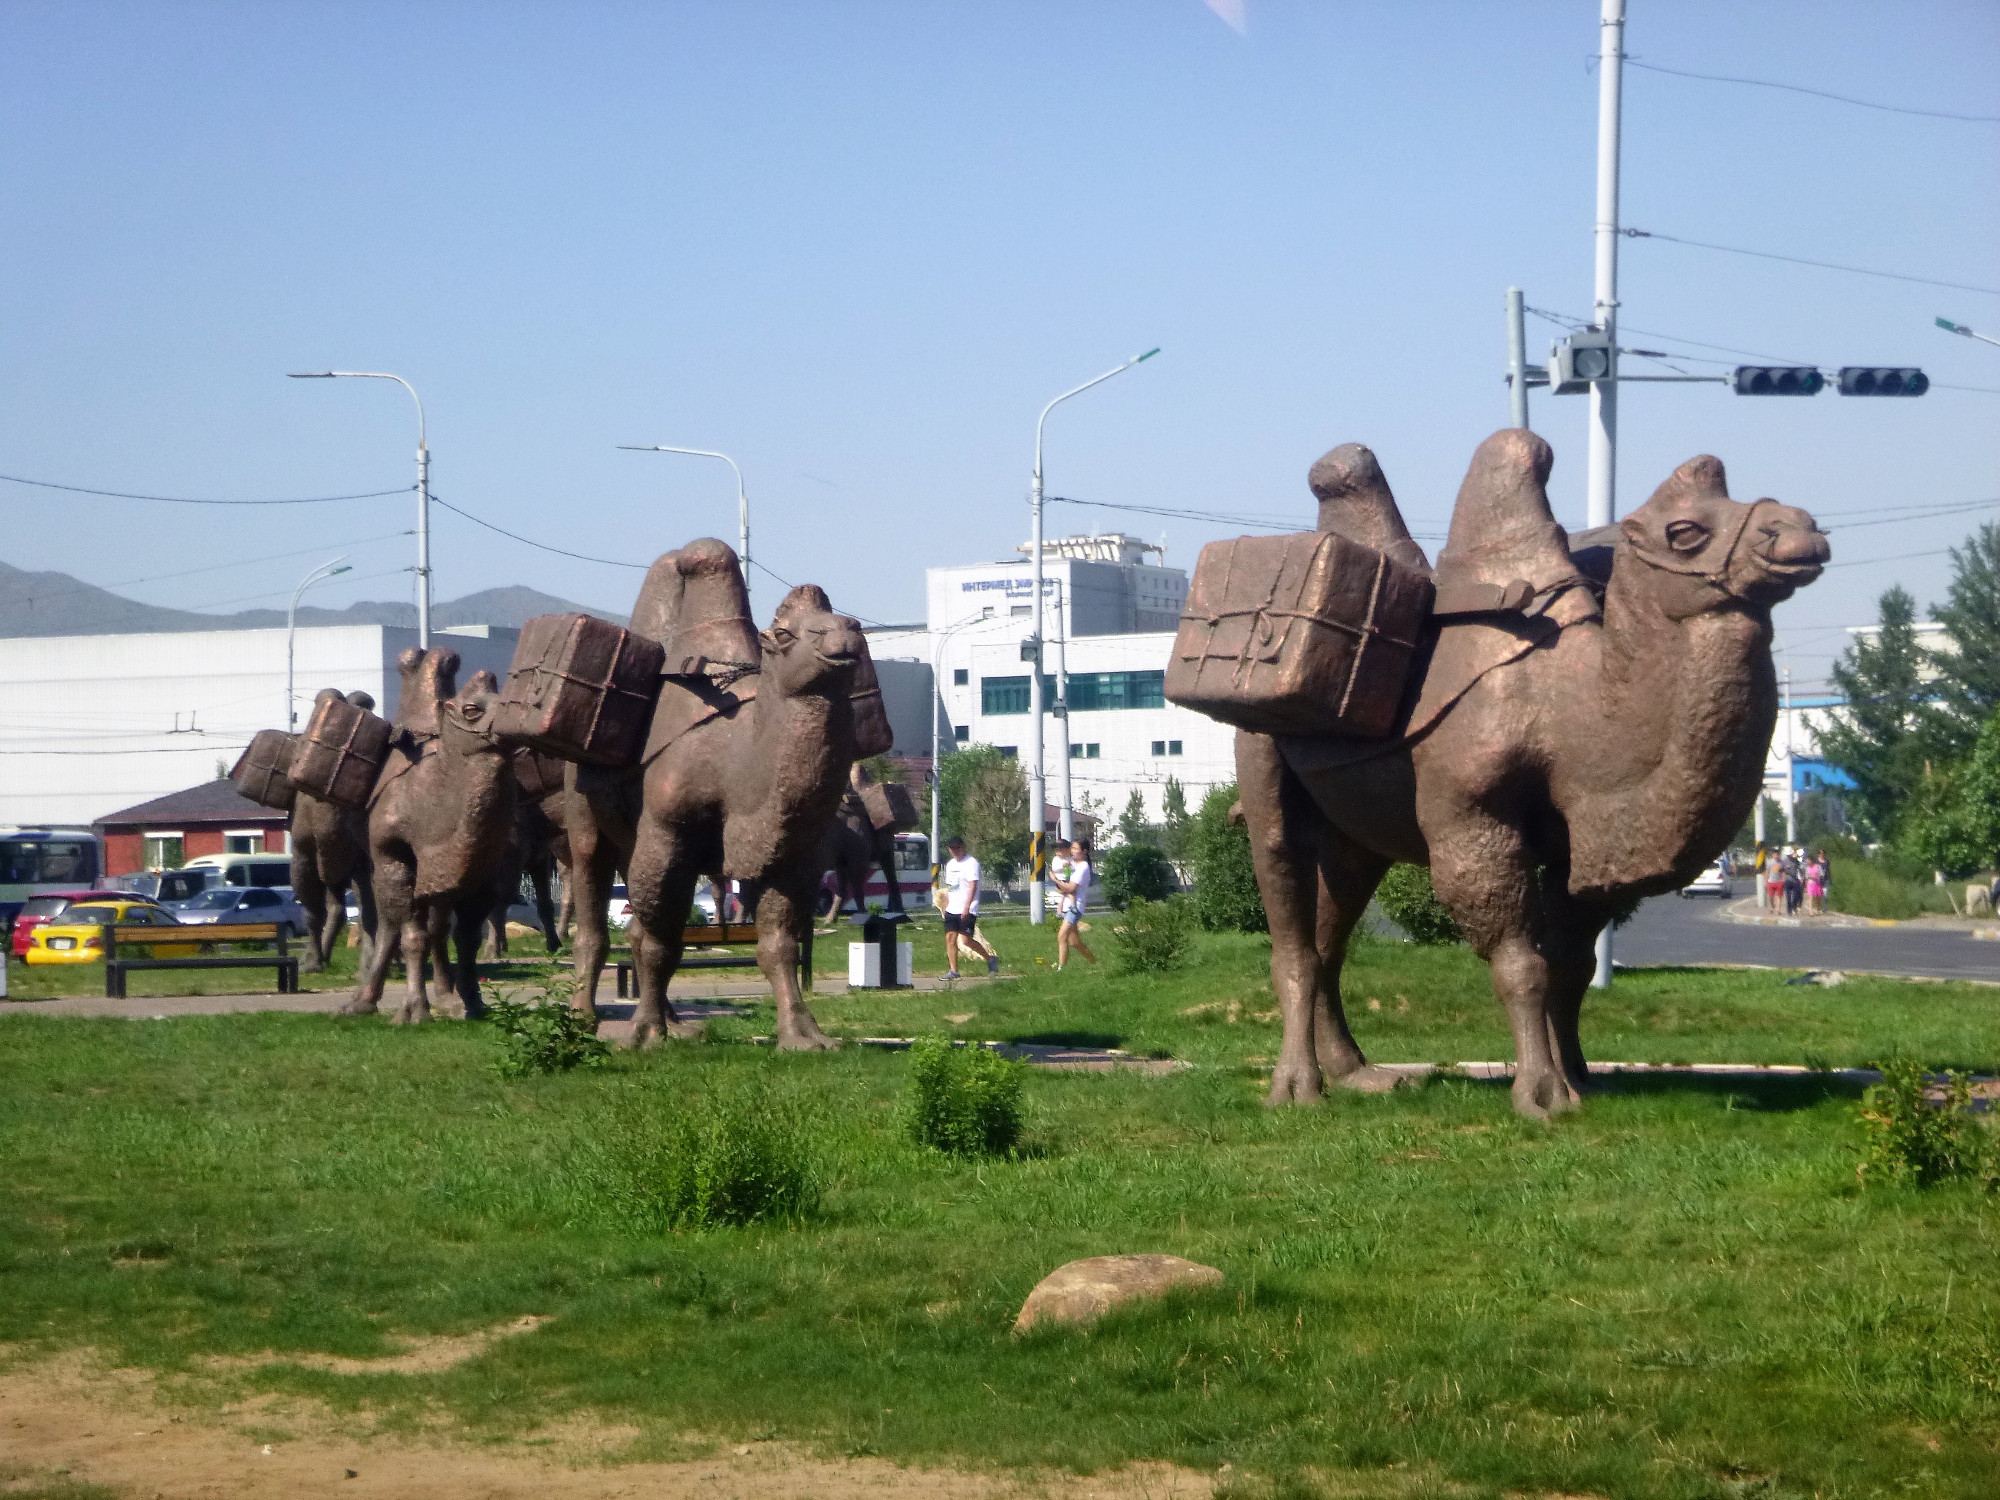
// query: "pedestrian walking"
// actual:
[[1816, 872], [1794, 881], [1771, 878], [961, 910], [1074, 884]]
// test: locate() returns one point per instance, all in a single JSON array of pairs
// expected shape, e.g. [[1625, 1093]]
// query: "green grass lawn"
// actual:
[[1679, 1292]]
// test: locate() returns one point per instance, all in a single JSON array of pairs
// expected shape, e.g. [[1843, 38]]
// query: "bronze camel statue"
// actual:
[[330, 853], [1562, 761]]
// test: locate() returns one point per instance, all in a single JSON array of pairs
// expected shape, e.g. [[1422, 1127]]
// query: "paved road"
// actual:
[[1669, 930]]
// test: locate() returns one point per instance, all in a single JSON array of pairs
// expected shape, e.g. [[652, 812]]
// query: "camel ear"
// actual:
[[1700, 478], [806, 599], [482, 681]]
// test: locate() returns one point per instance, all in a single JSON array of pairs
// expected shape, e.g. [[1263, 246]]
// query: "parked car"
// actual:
[[1714, 881], [77, 935], [171, 888], [256, 903], [38, 910], [272, 870]]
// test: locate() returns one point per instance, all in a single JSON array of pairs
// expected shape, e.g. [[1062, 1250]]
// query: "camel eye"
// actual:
[[1687, 536], [781, 636]]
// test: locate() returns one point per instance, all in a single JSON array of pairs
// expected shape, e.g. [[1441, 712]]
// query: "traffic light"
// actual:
[[1866, 380], [1778, 380], [1578, 360]]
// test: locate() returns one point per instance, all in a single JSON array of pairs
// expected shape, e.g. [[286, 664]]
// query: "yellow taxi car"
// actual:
[[77, 936]]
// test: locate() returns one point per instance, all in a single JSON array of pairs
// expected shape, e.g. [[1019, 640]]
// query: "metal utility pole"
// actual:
[[1517, 358], [324, 570], [1603, 460], [423, 490], [1031, 652], [742, 500], [1066, 812]]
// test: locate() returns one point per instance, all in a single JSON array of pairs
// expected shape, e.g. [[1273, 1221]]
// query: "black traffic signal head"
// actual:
[[1778, 380], [1870, 380]]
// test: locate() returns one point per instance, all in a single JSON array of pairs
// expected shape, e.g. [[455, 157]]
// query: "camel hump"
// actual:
[[1502, 529], [362, 700], [1701, 478], [694, 603], [1355, 502]]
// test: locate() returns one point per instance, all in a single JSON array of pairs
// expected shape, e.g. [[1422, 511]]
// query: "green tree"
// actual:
[[1406, 897], [1953, 820], [1134, 872], [983, 798], [1133, 828], [1226, 898], [1176, 826], [1968, 677], [1887, 730]]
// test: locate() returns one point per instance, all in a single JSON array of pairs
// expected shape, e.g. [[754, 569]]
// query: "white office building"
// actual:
[[1112, 605], [93, 723]]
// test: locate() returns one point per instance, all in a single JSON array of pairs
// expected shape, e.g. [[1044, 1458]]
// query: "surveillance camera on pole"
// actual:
[[1577, 361]]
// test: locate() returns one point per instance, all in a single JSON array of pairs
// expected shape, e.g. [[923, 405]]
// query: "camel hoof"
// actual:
[[1368, 1079], [474, 1010], [411, 1015], [808, 1041], [1543, 1098], [359, 1007], [1292, 1083]]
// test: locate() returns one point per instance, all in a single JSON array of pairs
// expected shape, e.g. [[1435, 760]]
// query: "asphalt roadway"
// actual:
[[1695, 930]]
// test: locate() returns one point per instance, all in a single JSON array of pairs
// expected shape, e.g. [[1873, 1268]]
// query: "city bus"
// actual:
[[43, 861]]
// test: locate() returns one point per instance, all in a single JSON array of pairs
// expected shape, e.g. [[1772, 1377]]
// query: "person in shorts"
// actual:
[[961, 910], [1074, 883]]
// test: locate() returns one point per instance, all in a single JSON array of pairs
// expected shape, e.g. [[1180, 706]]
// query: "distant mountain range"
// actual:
[[57, 604]]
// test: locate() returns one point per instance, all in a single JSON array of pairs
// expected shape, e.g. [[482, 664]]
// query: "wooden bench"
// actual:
[[720, 935], [146, 938]]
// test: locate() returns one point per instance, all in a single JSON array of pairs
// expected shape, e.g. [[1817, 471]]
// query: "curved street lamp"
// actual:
[[324, 571], [423, 489], [742, 500]]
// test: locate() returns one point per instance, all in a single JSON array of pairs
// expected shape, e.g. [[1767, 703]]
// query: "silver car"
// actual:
[[256, 903]]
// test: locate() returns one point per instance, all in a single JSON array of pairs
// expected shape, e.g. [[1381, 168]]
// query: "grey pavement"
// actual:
[[1698, 930]]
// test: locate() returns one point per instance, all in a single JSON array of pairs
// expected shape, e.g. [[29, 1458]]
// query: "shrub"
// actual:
[[1153, 938], [1135, 872], [1406, 898], [1888, 885], [964, 1100], [1913, 1139], [736, 1154], [1226, 898], [547, 1036]]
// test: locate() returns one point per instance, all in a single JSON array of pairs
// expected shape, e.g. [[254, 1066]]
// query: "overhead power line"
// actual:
[[609, 562], [1794, 88], [78, 489], [1798, 260]]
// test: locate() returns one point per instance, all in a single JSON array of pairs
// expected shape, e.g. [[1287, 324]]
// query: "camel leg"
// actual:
[[1570, 944], [658, 937], [1485, 874], [589, 892], [784, 911], [364, 901], [437, 927], [311, 893], [545, 906], [1277, 813], [467, 921], [389, 893], [414, 932], [332, 922], [887, 858], [1348, 875]]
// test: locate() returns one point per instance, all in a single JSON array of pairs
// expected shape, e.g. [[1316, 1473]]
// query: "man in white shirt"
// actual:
[[961, 910], [1071, 874]]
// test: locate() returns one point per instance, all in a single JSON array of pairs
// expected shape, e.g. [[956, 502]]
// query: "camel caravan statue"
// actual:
[[727, 753], [330, 854], [1558, 727], [863, 839]]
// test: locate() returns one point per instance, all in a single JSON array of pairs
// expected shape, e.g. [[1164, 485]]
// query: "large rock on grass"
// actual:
[[1085, 1290]]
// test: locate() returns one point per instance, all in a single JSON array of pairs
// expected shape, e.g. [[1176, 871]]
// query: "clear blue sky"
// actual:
[[858, 246]]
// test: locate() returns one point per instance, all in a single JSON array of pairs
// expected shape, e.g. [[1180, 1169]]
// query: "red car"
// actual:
[[39, 909]]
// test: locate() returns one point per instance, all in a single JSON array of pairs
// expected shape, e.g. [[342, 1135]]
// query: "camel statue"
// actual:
[[439, 825], [1559, 759], [539, 846], [854, 847], [330, 853]]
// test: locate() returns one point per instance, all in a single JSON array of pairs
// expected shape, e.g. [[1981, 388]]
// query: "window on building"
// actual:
[[1075, 752], [959, 675], [1090, 751], [1022, 609], [1009, 695], [243, 843], [1096, 691], [961, 732], [1173, 747], [1159, 747], [164, 851], [1008, 752]]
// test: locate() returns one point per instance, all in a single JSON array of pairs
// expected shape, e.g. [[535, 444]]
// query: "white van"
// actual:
[[245, 869]]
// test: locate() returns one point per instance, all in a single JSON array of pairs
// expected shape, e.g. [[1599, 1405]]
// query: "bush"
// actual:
[[1406, 898], [737, 1154], [1889, 885], [1913, 1139], [1153, 938], [1134, 872], [546, 1037], [1226, 898], [964, 1100]]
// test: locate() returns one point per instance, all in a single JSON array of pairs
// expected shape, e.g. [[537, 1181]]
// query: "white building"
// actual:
[[93, 723], [1111, 616]]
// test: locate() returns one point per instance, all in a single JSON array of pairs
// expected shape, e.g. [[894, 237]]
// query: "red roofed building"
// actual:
[[213, 818]]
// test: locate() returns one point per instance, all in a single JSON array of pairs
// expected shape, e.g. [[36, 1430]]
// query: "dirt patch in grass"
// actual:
[[422, 1357], [68, 1425]]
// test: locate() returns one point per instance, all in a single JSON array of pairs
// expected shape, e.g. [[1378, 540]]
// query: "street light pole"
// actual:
[[423, 489], [1037, 769], [324, 570], [1603, 458], [938, 712], [1517, 359], [742, 500], [1065, 811]]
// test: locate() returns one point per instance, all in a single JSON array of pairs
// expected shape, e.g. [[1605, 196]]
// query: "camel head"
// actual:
[[809, 648], [429, 677], [466, 717], [1702, 551]]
